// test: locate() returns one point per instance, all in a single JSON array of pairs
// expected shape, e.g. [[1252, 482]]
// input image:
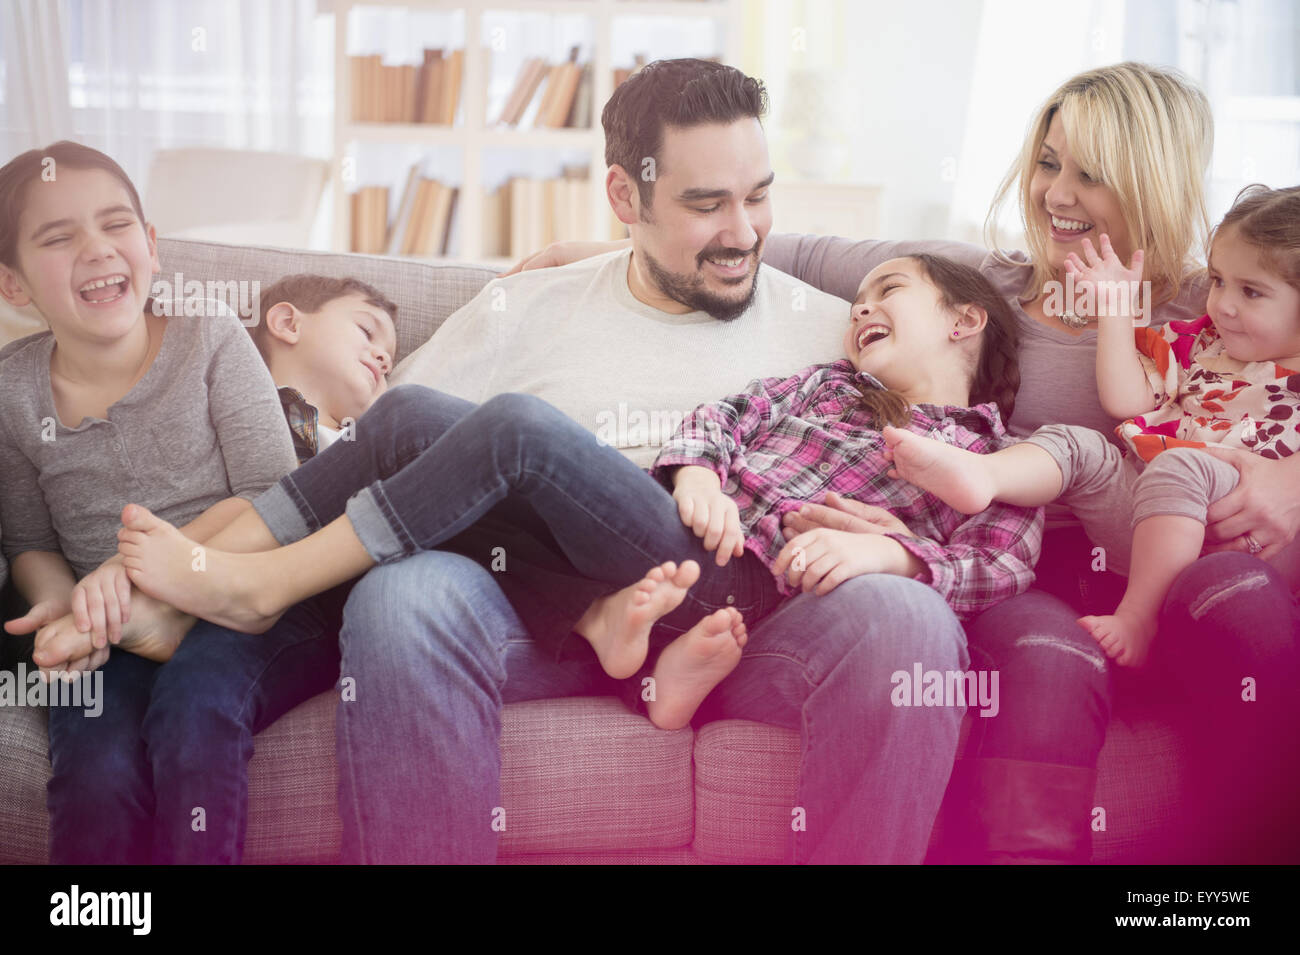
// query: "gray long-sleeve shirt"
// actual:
[[202, 425]]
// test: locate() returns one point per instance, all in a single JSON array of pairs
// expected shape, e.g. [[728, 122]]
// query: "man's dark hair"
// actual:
[[680, 93], [310, 293]]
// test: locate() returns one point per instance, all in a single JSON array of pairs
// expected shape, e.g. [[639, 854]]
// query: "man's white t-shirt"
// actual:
[[577, 337]]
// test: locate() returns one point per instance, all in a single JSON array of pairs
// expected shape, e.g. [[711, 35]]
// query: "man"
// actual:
[[622, 343]]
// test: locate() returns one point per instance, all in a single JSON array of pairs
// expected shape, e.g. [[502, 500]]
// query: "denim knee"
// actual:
[[432, 611], [1231, 594], [526, 414], [1055, 682]]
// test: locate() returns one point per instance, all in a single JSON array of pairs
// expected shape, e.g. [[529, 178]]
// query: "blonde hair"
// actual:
[[1147, 133]]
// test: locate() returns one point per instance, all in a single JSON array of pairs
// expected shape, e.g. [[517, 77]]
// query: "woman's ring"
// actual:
[[1253, 545]]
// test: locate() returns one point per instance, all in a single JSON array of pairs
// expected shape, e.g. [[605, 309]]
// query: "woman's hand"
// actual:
[[708, 512], [820, 560], [1113, 285], [842, 514], [1265, 504], [101, 602], [562, 253]]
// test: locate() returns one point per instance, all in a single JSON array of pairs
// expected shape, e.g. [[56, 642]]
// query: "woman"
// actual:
[[1122, 150]]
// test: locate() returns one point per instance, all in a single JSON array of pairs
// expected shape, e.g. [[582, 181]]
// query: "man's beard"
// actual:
[[691, 291]]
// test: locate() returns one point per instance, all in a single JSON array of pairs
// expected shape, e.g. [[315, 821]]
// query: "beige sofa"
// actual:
[[585, 780]]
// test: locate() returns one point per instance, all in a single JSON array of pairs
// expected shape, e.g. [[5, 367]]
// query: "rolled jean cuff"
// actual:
[[285, 513], [378, 527]]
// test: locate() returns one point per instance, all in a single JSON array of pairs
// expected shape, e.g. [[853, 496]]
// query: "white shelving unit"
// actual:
[[474, 136]]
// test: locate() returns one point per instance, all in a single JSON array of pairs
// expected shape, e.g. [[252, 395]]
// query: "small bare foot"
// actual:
[[618, 626], [692, 665], [1125, 636], [228, 589], [953, 475], [155, 630]]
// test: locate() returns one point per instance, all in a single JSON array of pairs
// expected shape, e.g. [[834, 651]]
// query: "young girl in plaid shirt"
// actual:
[[930, 346]]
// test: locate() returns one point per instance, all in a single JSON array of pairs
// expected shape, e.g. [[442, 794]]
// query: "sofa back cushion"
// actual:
[[425, 293]]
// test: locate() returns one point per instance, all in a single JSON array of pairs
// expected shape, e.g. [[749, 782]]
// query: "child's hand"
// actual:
[[823, 559], [1114, 286], [708, 512], [101, 602]]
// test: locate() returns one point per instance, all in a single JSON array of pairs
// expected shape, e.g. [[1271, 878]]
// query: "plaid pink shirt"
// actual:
[[785, 442]]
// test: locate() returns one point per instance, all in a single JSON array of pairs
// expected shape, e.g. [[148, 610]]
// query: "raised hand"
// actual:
[[1103, 285]]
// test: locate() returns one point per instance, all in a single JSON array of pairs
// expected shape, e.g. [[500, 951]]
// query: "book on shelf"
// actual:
[[622, 73], [566, 86], [405, 212], [406, 93], [453, 69], [580, 114], [526, 214], [526, 83], [370, 219], [557, 105]]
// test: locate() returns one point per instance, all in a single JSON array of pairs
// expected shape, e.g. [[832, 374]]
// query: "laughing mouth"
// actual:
[[868, 334], [109, 288], [1069, 225], [728, 258]]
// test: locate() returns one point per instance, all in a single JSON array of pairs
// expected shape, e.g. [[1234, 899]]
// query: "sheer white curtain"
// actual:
[[132, 76], [36, 87]]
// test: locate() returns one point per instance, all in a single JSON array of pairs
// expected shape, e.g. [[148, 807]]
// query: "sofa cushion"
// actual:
[[425, 294], [578, 775], [1141, 772], [293, 782], [746, 776], [585, 774], [24, 771]]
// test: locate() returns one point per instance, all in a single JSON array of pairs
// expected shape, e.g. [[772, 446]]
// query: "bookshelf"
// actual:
[[476, 146]]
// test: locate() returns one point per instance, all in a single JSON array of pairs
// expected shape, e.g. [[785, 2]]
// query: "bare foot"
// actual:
[[954, 475], [1125, 636], [154, 632], [228, 589], [692, 665], [618, 626]]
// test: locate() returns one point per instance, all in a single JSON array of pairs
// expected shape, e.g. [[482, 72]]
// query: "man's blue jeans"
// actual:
[[161, 775], [435, 649]]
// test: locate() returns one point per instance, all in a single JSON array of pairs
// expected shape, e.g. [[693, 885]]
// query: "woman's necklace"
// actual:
[[1067, 317]]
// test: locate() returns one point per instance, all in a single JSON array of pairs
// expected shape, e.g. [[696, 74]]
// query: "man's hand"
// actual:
[[562, 253], [842, 514], [708, 512], [62, 647], [38, 616], [820, 560], [1265, 504], [101, 602]]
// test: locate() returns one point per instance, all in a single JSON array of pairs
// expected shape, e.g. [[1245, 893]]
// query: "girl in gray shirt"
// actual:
[[114, 403]]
